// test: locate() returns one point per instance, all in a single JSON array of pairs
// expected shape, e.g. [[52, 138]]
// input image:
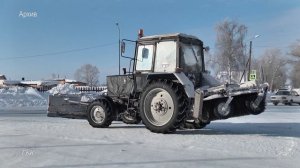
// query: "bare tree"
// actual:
[[295, 75], [89, 74], [295, 51], [273, 65], [231, 46]]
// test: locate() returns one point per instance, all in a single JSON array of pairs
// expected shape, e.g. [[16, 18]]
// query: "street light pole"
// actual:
[[117, 24], [250, 53]]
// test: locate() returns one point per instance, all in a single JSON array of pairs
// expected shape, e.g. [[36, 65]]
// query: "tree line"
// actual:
[[273, 66], [232, 56], [86, 73]]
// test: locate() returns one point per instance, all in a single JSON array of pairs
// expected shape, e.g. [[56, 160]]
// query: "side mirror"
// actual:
[[145, 53], [123, 47]]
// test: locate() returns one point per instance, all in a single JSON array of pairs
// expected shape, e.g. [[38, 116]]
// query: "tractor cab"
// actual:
[[171, 53], [157, 57]]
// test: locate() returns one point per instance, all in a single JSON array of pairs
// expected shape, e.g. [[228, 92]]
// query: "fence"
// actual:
[[44, 88], [90, 89]]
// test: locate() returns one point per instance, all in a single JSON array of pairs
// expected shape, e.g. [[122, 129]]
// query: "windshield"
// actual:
[[283, 93], [190, 57]]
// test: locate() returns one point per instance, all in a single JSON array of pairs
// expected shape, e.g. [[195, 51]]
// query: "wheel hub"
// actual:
[[161, 107], [98, 114], [222, 110]]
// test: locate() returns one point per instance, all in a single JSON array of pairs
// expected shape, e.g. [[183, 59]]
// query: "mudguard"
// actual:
[[181, 77]]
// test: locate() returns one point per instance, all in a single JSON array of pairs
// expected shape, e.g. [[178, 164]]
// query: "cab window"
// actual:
[[144, 58]]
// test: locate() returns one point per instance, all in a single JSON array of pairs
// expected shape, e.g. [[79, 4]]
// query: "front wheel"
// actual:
[[163, 106], [99, 114]]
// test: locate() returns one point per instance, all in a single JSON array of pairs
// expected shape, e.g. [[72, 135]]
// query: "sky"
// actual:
[[61, 35]]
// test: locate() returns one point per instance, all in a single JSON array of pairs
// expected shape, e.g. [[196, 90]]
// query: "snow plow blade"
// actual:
[[68, 106], [231, 100]]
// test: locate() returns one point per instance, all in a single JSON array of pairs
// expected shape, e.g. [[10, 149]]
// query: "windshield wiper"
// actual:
[[194, 52]]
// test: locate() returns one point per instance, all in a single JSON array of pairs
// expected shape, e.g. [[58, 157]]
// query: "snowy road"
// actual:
[[29, 139]]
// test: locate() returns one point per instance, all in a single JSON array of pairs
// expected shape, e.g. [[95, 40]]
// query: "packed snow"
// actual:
[[64, 89], [30, 139], [21, 97]]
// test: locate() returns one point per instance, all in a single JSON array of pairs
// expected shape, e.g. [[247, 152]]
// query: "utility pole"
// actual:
[[117, 24], [250, 53]]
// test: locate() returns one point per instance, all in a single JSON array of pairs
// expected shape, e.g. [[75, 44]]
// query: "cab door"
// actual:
[[144, 61]]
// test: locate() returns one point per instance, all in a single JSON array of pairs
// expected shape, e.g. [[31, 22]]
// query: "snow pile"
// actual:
[[248, 84], [89, 97], [104, 92], [21, 97], [13, 97], [64, 89]]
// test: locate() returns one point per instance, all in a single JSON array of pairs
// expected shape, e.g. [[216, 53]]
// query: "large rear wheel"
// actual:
[[163, 106]]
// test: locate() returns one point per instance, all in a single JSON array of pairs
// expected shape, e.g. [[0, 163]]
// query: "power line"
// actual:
[[58, 52]]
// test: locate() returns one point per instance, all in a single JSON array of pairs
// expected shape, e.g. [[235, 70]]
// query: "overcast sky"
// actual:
[[61, 35]]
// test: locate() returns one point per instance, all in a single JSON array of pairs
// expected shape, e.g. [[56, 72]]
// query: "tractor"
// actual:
[[167, 87]]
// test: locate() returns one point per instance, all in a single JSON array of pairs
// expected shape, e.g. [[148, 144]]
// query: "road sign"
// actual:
[[252, 76]]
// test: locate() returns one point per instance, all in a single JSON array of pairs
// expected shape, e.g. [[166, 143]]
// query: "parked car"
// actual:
[[285, 97]]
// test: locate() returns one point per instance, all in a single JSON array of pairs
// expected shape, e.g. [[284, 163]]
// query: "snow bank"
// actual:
[[15, 97], [64, 89], [21, 97]]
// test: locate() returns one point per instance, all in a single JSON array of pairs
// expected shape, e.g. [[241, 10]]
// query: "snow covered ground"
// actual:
[[29, 139]]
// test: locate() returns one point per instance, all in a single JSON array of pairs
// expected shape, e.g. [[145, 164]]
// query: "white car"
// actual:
[[285, 97]]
